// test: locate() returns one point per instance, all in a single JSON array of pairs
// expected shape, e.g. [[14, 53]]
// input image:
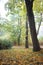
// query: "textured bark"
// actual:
[[29, 6]]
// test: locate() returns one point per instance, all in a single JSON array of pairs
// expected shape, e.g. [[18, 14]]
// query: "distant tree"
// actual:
[[26, 43], [19, 33], [39, 24], [38, 9], [29, 6]]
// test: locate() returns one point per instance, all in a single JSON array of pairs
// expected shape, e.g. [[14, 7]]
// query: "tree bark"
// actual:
[[29, 6]]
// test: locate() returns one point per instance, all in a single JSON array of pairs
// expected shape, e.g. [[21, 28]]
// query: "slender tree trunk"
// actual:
[[29, 6], [26, 43], [19, 36], [39, 24], [38, 27]]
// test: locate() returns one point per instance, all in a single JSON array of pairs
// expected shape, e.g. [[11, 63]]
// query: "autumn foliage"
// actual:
[[20, 57]]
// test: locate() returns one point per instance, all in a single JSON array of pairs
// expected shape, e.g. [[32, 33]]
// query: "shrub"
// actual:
[[5, 44]]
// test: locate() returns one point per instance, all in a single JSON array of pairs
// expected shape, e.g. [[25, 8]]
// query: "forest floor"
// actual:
[[21, 56]]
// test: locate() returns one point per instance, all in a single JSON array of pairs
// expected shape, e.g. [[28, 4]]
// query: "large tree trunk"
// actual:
[[29, 6], [26, 43]]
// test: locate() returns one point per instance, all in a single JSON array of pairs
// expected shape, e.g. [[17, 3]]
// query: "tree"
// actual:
[[39, 24], [39, 4], [38, 9], [29, 6], [18, 7], [19, 31], [26, 43]]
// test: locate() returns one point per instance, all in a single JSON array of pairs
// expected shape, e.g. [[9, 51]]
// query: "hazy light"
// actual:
[[6, 36], [2, 8]]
